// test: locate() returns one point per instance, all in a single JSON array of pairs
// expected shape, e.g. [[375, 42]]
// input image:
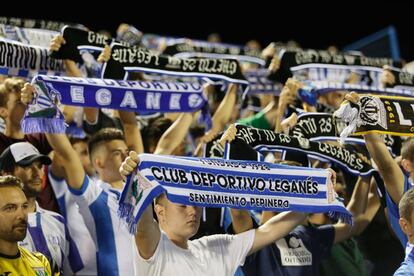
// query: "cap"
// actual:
[[22, 154]]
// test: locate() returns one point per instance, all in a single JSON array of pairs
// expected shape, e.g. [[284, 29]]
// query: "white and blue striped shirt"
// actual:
[[98, 204], [46, 233], [86, 259]]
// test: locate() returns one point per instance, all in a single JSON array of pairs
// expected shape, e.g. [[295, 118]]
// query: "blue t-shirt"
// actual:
[[407, 267], [299, 253], [393, 213]]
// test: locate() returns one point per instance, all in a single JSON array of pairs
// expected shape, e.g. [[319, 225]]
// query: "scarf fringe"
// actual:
[[40, 125]]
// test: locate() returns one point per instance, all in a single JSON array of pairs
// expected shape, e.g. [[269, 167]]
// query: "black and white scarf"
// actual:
[[18, 59], [196, 48], [325, 127], [34, 23], [265, 140], [295, 61], [79, 39], [125, 59], [320, 87]]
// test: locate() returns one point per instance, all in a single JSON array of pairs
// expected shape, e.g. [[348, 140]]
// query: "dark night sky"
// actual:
[[335, 22]]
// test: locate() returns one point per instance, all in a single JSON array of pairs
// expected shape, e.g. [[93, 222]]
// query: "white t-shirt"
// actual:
[[211, 255]]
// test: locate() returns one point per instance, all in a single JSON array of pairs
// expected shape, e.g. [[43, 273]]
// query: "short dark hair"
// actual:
[[407, 149], [102, 136], [75, 140], [10, 181], [153, 132], [406, 205]]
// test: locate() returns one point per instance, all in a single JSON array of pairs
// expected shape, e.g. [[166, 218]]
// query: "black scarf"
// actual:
[[35, 23], [291, 59], [124, 59], [213, 50]]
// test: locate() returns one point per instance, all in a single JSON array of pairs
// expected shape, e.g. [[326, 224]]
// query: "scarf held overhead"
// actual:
[[380, 114], [291, 61], [124, 59], [196, 48], [79, 39], [28, 36], [227, 183], [265, 140], [102, 93], [324, 127], [18, 59]]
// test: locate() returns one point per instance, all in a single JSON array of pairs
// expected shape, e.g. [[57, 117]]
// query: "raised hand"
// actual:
[[56, 43], [129, 164]]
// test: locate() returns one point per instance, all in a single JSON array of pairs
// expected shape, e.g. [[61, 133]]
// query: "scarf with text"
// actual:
[[324, 127], [28, 36], [265, 140], [196, 48], [300, 60], [124, 59], [78, 39], [320, 87], [227, 183], [18, 59], [35, 23], [43, 115], [379, 114]]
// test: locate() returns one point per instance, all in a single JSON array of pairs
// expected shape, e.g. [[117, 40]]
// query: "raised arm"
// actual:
[[175, 134], [287, 96], [74, 172], [390, 171], [357, 206], [148, 232], [133, 137], [222, 115], [280, 225], [276, 228], [388, 168]]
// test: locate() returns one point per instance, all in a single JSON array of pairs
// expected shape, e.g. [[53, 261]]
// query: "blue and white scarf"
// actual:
[[126, 59], [18, 59], [227, 183], [103, 93]]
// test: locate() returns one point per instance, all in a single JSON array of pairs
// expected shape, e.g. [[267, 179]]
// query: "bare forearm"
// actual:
[[71, 69], [69, 159], [148, 234], [388, 168], [132, 134], [223, 113], [358, 203], [241, 219], [174, 134], [378, 151], [275, 229]]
